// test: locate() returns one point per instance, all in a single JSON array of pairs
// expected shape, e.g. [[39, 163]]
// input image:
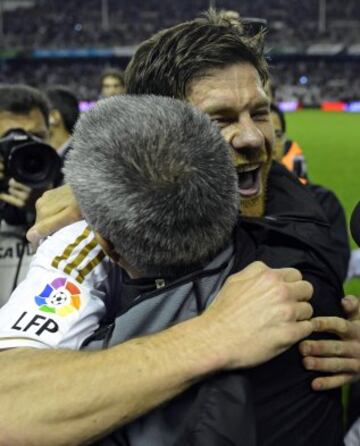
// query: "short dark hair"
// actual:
[[67, 104], [112, 72], [167, 61], [274, 108], [21, 99], [165, 188]]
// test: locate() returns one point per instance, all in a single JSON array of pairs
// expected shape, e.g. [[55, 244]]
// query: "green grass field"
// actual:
[[331, 144]]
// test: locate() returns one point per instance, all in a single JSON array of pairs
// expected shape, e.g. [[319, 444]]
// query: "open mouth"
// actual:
[[249, 180]]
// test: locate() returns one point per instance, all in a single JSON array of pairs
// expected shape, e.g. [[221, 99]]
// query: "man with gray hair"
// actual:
[[164, 210], [139, 180]]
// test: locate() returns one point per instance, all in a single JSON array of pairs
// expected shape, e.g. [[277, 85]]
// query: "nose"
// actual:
[[246, 137]]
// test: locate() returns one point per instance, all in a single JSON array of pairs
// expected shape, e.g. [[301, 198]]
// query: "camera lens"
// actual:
[[33, 164]]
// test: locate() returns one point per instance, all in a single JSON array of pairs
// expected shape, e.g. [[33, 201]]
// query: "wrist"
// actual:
[[200, 347]]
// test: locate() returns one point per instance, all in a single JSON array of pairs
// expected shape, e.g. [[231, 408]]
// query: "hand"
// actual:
[[340, 358], [18, 194], [56, 209], [258, 314]]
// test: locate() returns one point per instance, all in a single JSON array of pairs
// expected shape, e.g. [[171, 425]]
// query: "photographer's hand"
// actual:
[[18, 194]]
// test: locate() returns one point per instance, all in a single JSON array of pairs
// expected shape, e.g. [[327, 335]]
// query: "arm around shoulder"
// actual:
[[62, 397]]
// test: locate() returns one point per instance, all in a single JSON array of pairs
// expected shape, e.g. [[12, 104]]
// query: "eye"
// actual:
[[221, 121], [261, 115]]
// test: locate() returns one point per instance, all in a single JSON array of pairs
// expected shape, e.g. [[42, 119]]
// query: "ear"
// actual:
[[108, 248], [55, 118]]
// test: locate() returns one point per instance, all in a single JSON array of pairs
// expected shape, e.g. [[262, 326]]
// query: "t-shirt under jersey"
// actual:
[[61, 301]]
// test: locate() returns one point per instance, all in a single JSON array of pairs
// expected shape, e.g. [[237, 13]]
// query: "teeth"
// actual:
[[242, 169]]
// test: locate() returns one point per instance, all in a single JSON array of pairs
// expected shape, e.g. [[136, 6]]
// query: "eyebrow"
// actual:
[[262, 103], [226, 110], [218, 109]]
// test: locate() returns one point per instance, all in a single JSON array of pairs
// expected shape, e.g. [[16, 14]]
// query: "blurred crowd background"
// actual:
[[46, 42]]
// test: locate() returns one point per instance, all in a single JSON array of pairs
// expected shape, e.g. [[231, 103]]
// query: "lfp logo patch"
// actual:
[[61, 297]]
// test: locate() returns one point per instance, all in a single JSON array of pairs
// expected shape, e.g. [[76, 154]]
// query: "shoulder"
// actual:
[[286, 195], [62, 299], [323, 195], [74, 251]]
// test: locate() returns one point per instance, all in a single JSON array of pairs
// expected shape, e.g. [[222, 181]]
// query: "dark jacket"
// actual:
[[335, 214], [296, 233], [218, 411]]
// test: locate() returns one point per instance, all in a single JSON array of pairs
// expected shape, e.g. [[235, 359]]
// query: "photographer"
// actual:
[[64, 112], [24, 175]]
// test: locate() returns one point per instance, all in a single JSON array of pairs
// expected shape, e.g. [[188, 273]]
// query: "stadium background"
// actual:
[[313, 48]]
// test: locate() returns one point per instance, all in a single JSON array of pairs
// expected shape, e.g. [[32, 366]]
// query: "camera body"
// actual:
[[28, 160]]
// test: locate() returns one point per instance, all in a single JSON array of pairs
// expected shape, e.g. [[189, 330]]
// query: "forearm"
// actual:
[[65, 397], [71, 398]]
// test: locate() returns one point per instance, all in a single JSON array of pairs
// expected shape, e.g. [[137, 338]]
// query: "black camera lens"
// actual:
[[28, 160], [33, 164]]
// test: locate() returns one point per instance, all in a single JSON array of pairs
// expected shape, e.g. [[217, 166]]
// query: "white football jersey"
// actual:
[[62, 299]]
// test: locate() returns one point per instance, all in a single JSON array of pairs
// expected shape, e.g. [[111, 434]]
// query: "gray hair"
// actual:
[[154, 177]]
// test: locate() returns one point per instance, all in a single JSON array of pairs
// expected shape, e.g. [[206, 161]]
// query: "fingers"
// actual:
[[33, 237], [331, 348], [18, 190], [13, 200], [351, 306], [338, 357], [47, 227], [289, 274], [335, 325], [56, 209], [332, 382], [301, 330], [15, 185], [255, 268], [300, 291], [251, 271], [304, 311], [332, 365], [18, 194], [48, 205]]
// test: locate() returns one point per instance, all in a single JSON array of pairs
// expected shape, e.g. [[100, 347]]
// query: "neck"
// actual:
[[58, 138]]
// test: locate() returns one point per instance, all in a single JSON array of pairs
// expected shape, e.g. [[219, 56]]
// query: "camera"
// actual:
[[28, 160]]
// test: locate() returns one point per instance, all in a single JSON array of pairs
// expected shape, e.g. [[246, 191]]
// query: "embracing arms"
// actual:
[[340, 359], [61, 397]]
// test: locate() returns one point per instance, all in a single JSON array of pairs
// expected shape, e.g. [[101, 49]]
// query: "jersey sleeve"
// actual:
[[61, 300]]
